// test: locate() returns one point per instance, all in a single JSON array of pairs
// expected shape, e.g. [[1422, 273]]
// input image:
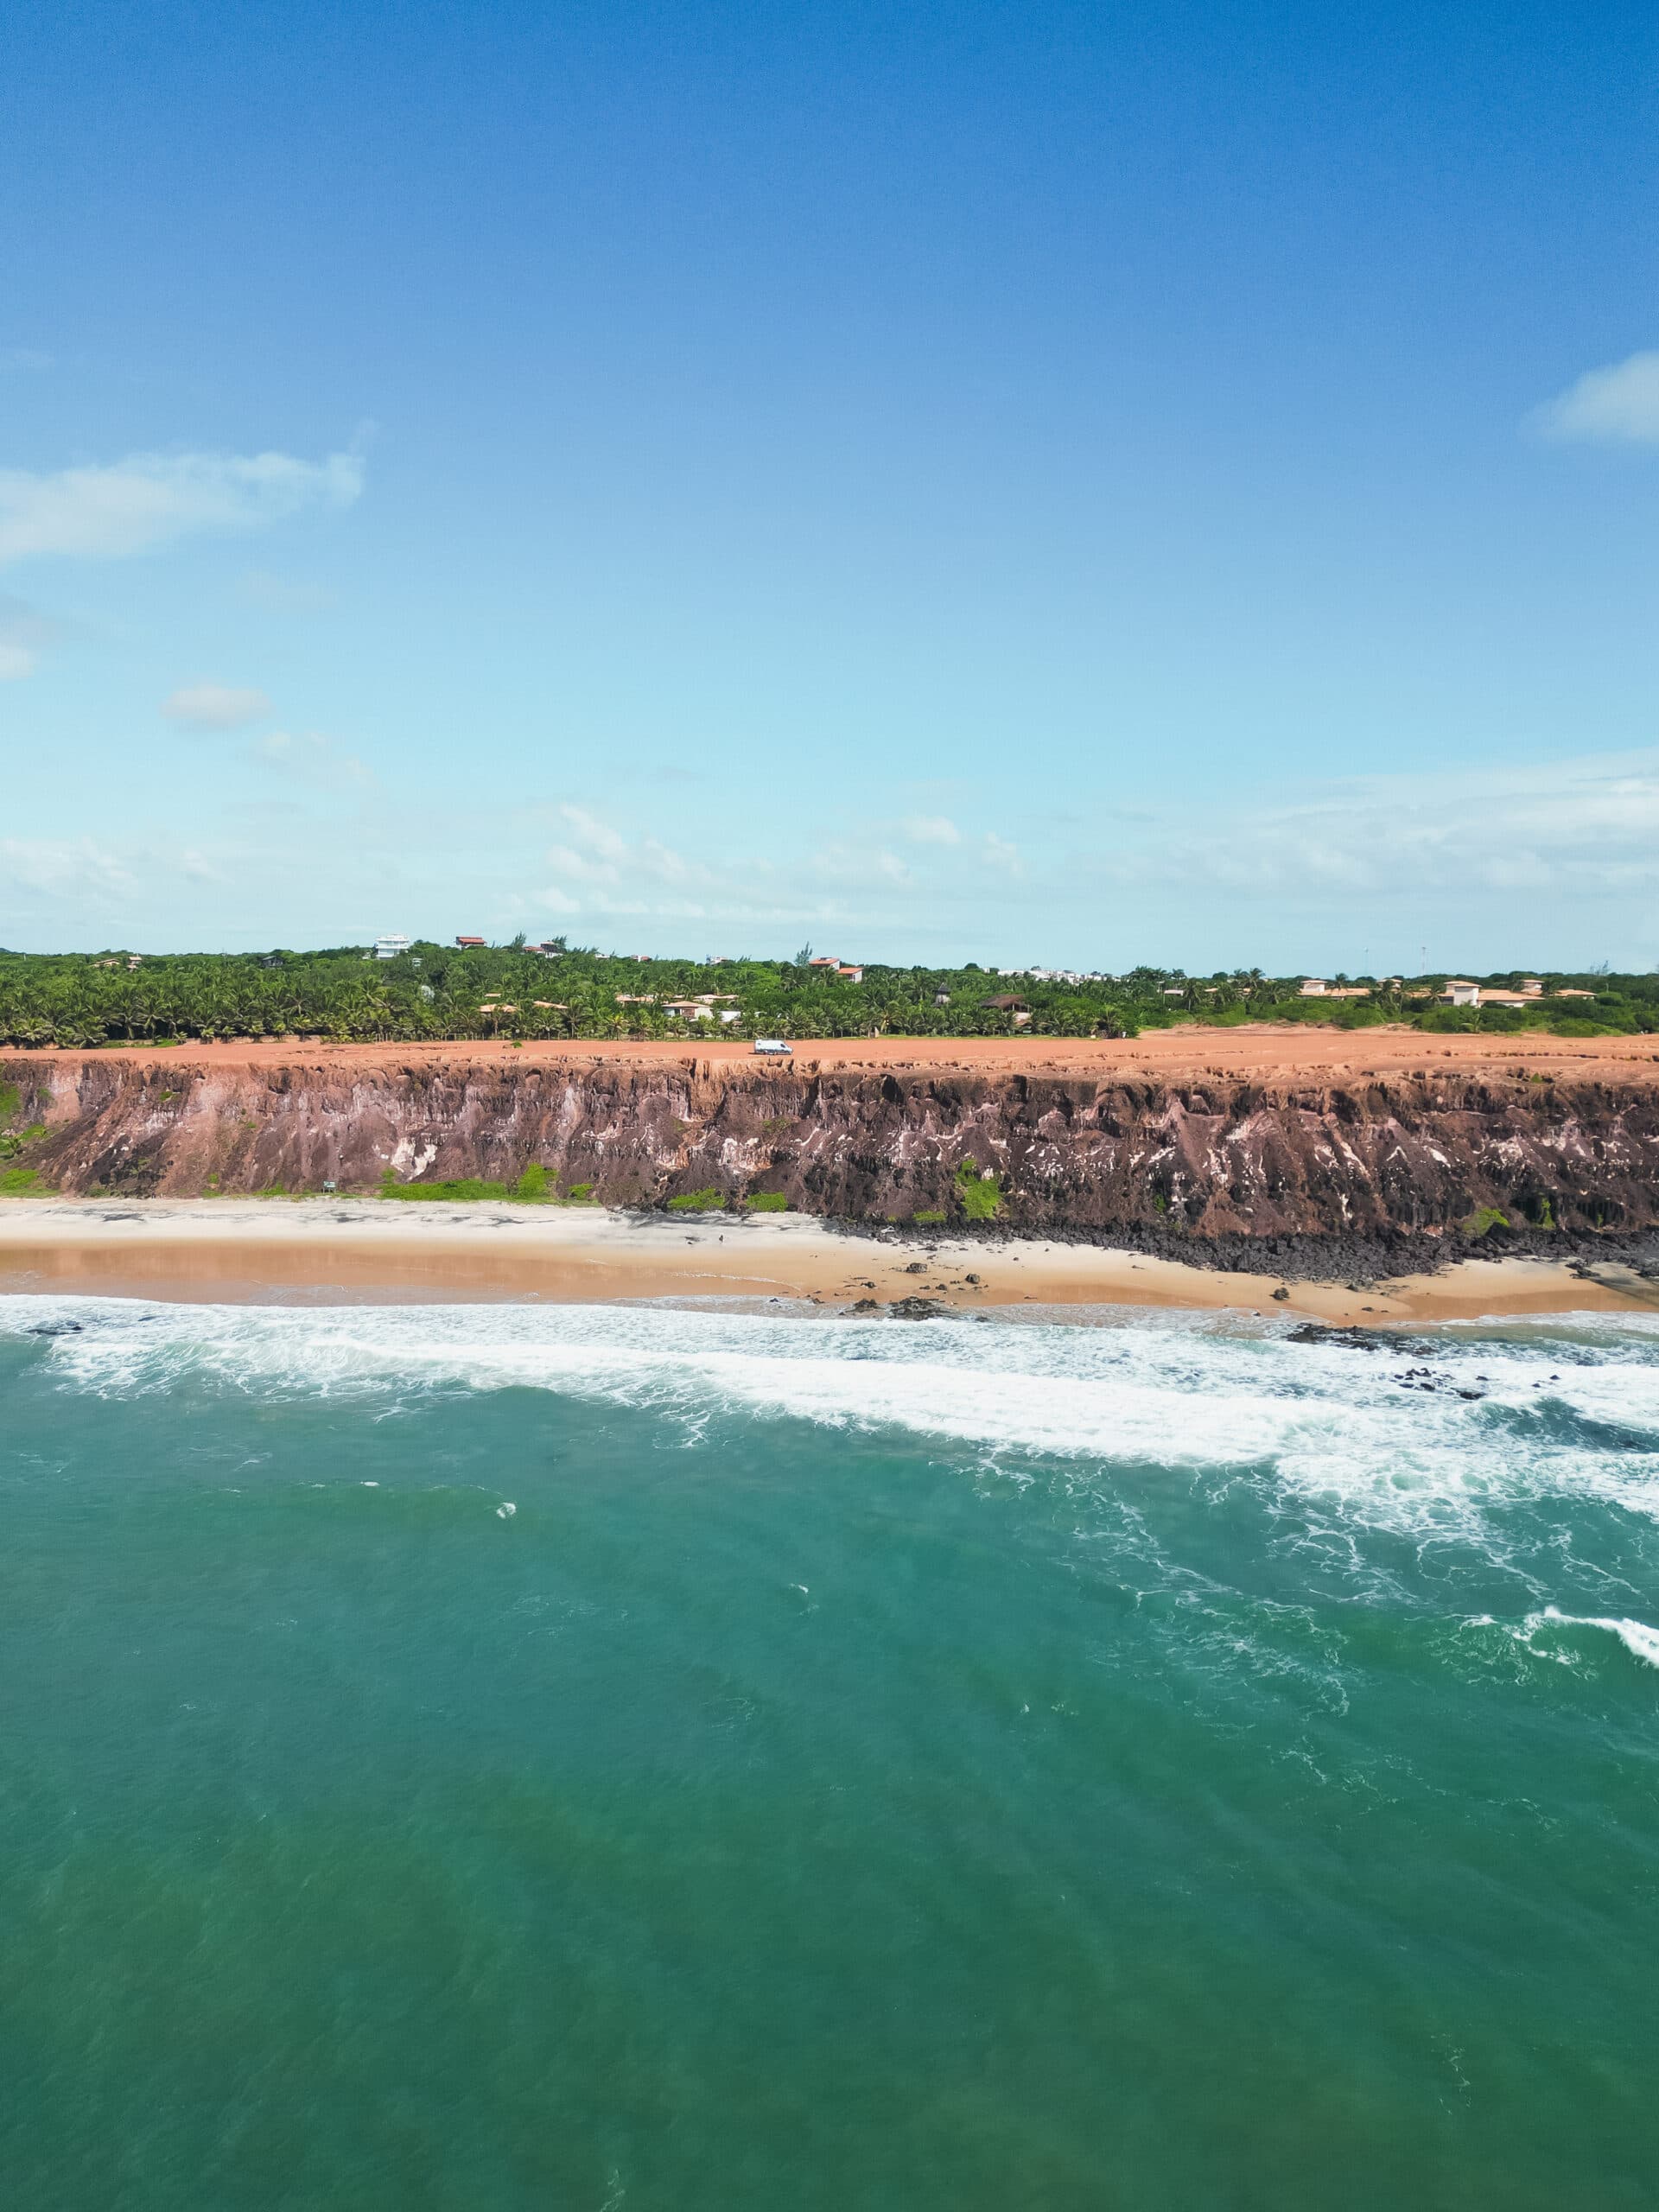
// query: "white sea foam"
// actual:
[[1547, 1414], [1636, 1635]]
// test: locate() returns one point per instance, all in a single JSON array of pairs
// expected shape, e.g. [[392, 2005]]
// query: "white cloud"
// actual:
[[148, 500], [1582, 827], [215, 706], [1618, 405], [310, 757], [64, 867], [932, 830], [22, 635], [1002, 855], [601, 858], [852, 868]]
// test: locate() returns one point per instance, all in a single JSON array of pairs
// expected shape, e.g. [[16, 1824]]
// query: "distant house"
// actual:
[[825, 960], [389, 946], [690, 1010], [1573, 995], [1460, 992], [636, 998], [941, 998], [854, 975], [470, 943], [731, 1013], [1018, 1012], [1315, 988]]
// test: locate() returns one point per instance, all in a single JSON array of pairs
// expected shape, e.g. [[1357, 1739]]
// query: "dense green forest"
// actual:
[[518, 992]]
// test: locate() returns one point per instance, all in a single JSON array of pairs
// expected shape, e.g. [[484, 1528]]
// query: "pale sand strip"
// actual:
[[209, 1249]]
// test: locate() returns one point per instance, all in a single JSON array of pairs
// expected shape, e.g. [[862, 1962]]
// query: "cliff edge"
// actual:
[[1214, 1161]]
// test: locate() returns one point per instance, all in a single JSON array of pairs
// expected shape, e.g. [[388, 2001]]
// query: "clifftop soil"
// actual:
[[1271, 1051], [1223, 1147]]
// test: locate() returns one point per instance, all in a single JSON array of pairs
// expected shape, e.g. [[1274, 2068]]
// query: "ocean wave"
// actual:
[[1636, 1636], [1408, 1434]]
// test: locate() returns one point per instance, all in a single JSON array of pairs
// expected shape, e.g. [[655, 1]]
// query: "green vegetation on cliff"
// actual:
[[435, 992]]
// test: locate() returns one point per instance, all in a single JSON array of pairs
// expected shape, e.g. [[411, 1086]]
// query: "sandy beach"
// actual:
[[325, 1250]]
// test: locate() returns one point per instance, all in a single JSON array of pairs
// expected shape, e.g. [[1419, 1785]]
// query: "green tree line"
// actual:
[[513, 993]]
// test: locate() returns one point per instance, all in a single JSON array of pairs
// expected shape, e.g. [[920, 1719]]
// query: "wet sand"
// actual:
[[326, 1250]]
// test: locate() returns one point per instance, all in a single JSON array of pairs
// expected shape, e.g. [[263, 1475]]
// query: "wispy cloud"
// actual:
[[1617, 405], [60, 867], [932, 830], [1569, 829], [847, 869], [215, 706], [128, 507], [24, 634], [612, 870], [311, 758], [284, 594]]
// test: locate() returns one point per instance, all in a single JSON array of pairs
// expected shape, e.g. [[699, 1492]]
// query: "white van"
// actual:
[[772, 1045]]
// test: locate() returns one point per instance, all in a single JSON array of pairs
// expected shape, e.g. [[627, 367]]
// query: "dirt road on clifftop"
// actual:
[[1268, 1052]]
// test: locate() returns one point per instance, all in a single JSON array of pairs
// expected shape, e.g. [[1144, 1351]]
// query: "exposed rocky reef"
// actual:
[[1223, 1163]]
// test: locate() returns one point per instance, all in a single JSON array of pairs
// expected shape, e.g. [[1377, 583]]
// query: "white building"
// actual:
[[1461, 992], [389, 946]]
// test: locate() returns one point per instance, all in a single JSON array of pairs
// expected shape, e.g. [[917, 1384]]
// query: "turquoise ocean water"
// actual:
[[629, 1759]]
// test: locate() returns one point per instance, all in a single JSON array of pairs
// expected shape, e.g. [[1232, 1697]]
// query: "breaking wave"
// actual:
[[1411, 1432]]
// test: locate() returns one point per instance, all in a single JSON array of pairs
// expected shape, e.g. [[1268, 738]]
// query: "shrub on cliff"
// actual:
[[978, 1192]]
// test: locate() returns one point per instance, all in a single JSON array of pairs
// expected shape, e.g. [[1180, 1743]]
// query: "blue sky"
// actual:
[[1024, 483]]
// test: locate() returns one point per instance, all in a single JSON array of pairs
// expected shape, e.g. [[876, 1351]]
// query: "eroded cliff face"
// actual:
[[1212, 1160]]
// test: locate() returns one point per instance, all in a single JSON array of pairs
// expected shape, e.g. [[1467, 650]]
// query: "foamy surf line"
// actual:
[[1638, 1638], [1410, 1438]]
